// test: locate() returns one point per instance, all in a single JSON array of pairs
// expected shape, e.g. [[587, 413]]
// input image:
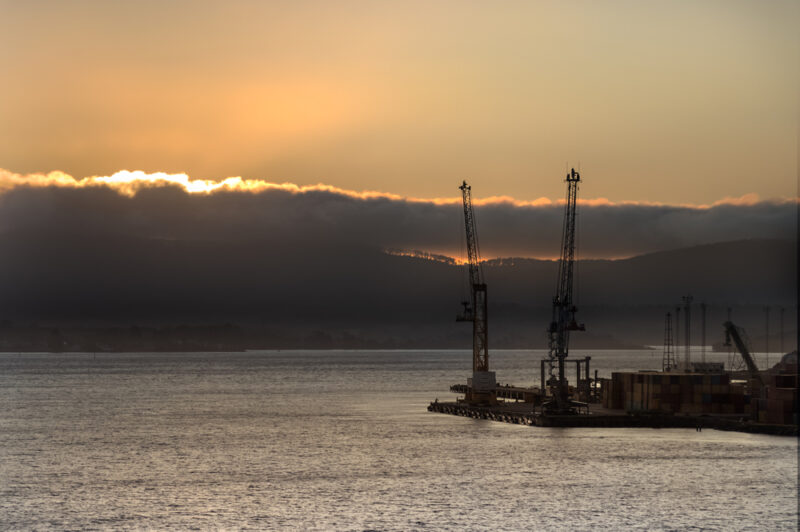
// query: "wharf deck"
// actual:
[[505, 392], [522, 414]]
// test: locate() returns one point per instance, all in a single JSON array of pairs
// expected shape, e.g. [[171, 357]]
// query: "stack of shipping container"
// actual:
[[703, 393], [686, 393], [778, 402]]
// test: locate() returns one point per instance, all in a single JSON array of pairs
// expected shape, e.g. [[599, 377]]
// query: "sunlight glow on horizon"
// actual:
[[451, 258], [129, 183]]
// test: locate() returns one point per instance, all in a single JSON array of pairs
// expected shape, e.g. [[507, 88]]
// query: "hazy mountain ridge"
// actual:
[[357, 294]]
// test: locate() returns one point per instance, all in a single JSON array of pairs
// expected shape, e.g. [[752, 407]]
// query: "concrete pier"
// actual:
[[522, 414]]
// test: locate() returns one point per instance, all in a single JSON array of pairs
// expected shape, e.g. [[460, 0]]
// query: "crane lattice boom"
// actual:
[[732, 332], [477, 309], [563, 310]]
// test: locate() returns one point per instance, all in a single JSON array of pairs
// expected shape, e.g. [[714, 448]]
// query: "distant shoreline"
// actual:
[[300, 348]]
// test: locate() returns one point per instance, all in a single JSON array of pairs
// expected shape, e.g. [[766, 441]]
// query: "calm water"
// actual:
[[341, 440]]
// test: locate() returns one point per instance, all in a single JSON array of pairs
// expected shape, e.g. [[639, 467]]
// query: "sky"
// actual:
[[677, 103]]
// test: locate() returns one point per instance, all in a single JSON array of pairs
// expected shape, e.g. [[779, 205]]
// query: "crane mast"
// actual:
[[563, 309], [475, 309]]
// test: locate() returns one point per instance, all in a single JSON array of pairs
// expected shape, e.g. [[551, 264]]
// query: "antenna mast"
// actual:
[[668, 358], [687, 307]]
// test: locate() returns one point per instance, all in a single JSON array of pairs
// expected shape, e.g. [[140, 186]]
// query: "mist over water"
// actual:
[[341, 440]]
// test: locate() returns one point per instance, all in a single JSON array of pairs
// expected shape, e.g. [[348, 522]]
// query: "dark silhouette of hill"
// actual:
[[737, 272], [311, 292], [628, 298]]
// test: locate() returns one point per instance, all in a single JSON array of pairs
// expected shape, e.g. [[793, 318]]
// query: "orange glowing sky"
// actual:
[[672, 102], [128, 183]]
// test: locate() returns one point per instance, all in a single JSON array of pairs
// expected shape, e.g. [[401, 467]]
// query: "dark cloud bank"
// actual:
[[300, 265]]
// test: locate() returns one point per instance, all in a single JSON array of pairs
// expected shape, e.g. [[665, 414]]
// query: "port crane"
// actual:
[[563, 309], [732, 332], [482, 386]]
